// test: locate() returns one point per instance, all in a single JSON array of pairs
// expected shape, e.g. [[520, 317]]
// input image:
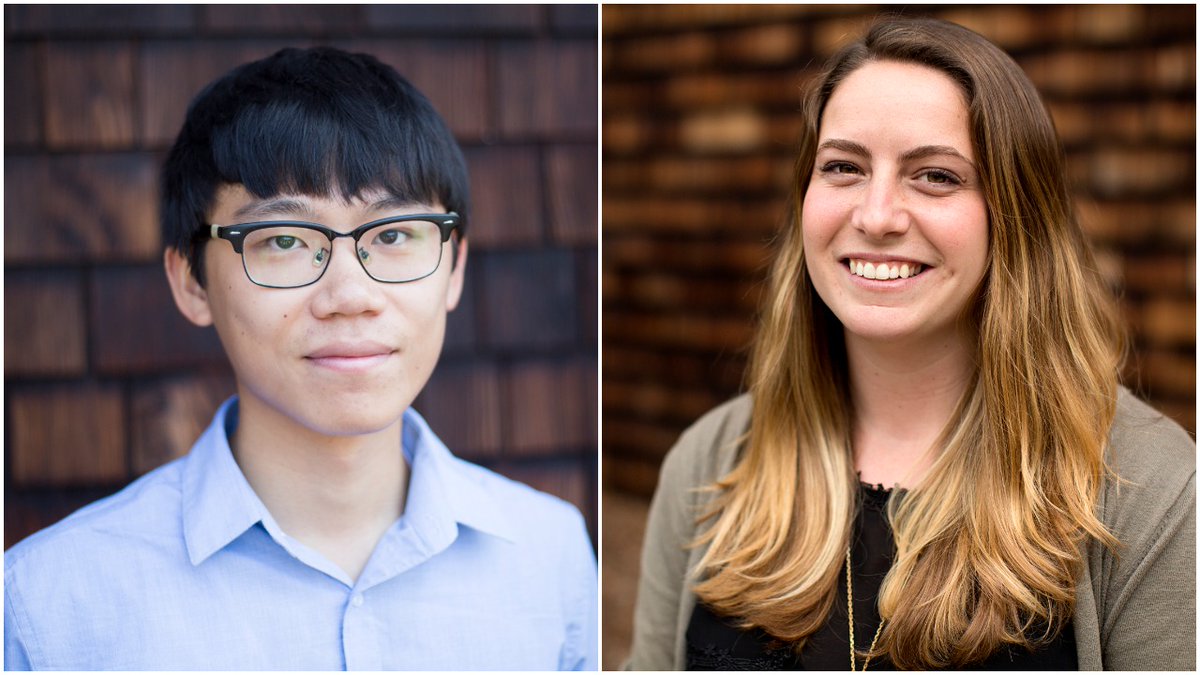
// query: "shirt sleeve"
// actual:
[[15, 656], [581, 651]]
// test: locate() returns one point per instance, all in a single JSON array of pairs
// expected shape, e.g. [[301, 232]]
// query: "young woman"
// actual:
[[935, 465]]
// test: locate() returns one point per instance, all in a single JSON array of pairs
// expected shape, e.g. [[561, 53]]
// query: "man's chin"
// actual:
[[344, 416], [354, 424]]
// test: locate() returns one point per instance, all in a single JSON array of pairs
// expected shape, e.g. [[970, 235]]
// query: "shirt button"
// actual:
[[357, 601]]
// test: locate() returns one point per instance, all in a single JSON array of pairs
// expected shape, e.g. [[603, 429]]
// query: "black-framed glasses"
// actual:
[[291, 254]]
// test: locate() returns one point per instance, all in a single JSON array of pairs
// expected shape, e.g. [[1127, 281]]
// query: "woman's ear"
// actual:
[[190, 296]]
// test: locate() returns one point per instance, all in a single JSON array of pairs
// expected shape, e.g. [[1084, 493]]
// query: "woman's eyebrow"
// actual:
[[923, 151], [919, 152], [845, 146]]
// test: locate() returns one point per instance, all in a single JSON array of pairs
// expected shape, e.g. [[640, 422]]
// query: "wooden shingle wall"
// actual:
[[104, 380], [700, 117]]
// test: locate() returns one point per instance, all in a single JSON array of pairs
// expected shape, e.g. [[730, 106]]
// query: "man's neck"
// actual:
[[903, 397], [335, 494]]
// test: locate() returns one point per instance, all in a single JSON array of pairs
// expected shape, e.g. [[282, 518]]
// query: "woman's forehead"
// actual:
[[912, 101]]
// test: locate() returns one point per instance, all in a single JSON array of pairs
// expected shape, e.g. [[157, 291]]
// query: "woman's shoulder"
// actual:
[[707, 449], [1144, 443], [1153, 464], [718, 427]]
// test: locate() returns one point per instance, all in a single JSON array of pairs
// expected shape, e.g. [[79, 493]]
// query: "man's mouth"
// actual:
[[884, 270], [351, 356], [350, 350]]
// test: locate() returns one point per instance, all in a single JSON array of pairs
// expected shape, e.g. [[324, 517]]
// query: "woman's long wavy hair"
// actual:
[[990, 542]]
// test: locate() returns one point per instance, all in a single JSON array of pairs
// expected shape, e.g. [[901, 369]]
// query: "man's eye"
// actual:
[[285, 242], [392, 237]]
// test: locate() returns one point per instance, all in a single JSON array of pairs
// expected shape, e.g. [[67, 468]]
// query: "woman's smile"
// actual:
[[882, 271]]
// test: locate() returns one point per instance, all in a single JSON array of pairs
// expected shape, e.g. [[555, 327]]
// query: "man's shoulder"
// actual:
[[530, 510], [535, 547], [485, 497], [87, 574], [146, 512]]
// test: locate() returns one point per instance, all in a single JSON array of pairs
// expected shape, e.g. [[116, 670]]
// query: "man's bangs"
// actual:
[[287, 150]]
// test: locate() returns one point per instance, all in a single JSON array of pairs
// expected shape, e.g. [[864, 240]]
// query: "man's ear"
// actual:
[[190, 296], [454, 290]]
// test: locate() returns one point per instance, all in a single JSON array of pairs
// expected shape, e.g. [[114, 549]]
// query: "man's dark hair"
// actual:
[[320, 122]]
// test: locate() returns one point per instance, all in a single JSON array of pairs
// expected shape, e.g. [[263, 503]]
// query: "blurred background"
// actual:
[[104, 380], [700, 116]]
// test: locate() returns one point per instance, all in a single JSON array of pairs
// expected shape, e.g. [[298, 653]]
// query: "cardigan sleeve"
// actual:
[[669, 529], [1153, 622], [704, 453], [1148, 603]]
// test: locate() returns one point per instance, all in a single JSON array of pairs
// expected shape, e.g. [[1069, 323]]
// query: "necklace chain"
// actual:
[[850, 614]]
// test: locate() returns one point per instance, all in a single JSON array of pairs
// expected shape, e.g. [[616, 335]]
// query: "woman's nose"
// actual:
[[882, 211]]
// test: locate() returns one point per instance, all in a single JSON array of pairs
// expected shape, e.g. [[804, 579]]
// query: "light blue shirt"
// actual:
[[186, 570]]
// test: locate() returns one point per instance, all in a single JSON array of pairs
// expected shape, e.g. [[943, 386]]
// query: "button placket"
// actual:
[[360, 635]]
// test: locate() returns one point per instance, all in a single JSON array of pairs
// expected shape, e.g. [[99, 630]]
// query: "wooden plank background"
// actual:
[[104, 379]]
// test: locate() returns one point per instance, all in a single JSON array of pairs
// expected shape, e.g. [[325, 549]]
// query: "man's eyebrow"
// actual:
[[290, 207], [394, 202], [276, 206]]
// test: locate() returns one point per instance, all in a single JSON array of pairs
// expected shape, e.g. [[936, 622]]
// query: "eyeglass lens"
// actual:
[[289, 256]]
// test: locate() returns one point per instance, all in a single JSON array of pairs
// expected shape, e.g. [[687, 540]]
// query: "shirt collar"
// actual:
[[219, 505], [441, 482]]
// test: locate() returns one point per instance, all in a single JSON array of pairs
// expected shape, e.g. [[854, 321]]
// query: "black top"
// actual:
[[715, 643]]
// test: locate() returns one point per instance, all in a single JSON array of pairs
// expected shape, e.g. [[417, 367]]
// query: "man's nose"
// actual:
[[346, 288]]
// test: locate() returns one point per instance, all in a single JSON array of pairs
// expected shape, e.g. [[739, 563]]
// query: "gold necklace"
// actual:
[[850, 613]]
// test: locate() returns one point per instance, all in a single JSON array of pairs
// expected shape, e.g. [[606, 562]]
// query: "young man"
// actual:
[[314, 209]]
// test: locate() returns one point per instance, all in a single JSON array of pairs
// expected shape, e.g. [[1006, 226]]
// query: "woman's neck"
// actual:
[[903, 395], [335, 494]]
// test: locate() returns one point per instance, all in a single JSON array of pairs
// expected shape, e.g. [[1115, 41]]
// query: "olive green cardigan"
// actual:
[[1135, 611]]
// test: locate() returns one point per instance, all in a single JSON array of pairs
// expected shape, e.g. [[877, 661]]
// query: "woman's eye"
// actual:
[[839, 168], [941, 177]]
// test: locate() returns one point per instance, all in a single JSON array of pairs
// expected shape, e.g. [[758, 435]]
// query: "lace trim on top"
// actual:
[[714, 657], [875, 495]]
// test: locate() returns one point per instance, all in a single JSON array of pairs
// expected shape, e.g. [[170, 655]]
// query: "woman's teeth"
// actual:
[[894, 270]]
